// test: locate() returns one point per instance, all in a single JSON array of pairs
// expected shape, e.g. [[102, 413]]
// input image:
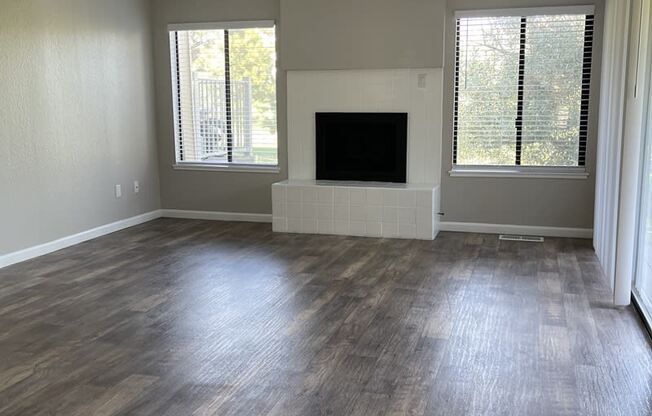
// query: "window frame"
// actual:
[[179, 163], [517, 170]]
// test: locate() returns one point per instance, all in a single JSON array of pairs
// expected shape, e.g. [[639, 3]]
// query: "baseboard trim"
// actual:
[[474, 227], [71, 240], [216, 215]]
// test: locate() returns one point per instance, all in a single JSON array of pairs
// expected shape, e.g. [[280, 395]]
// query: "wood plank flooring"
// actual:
[[182, 317]]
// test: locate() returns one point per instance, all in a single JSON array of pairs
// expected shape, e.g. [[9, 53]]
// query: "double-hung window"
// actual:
[[224, 94], [521, 93]]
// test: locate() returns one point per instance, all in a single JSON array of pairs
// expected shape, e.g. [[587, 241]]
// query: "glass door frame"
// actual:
[[644, 205]]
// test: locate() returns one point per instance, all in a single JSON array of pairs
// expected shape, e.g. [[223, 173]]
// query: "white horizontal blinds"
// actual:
[[224, 94], [486, 85], [555, 79], [521, 92]]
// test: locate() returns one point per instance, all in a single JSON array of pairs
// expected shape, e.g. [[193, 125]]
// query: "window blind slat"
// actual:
[[522, 89], [224, 87]]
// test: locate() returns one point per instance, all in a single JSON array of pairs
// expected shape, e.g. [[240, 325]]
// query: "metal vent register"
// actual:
[[526, 238]]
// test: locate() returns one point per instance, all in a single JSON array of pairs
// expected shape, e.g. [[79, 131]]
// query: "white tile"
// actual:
[[357, 213], [424, 217], [358, 228], [325, 226], [407, 231], [374, 229], [341, 212], [309, 226], [389, 230], [341, 227], [325, 212], [424, 199], [407, 198], [293, 210], [309, 194], [309, 211], [390, 197], [279, 225], [425, 233], [374, 196], [293, 194], [279, 209], [374, 213], [358, 196], [390, 214], [294, 225], [341, 196], [279, 193], [325, 195], [407, 216]]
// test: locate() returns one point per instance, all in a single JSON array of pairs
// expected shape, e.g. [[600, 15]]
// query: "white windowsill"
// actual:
[[227, 168], [516, 172]]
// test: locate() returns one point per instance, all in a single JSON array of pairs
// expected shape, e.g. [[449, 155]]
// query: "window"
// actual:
[[522, 87], [224, 93]]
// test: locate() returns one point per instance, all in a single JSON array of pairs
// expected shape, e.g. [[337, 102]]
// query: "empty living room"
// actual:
[[325, 207]]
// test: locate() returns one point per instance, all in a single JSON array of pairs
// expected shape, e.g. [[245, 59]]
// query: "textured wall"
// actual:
[[76, 117], [362, 34], [210, 190]]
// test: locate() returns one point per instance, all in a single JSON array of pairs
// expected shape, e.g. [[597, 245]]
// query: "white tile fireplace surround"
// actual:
[[359, 209], [303, 205]]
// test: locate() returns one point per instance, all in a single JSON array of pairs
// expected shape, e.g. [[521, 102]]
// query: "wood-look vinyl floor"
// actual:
[[182, 317]]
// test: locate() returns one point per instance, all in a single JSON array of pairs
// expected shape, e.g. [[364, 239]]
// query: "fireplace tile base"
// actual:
[[362, 209]]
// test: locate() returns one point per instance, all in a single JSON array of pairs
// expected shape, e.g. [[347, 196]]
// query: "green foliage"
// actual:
[[252, 57], [488, 91]]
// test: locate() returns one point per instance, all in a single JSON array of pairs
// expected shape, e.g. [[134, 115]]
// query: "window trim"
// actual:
[[243, 24], [527, 172], [517, 170], [525, 11], [223, 167], [179, 163]]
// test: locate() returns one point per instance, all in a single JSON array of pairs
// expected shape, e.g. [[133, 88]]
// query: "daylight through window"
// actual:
[[224, 93], [522, 90]]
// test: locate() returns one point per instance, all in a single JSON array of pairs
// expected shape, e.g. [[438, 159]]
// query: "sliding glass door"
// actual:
[[641, 119], [643, 280]]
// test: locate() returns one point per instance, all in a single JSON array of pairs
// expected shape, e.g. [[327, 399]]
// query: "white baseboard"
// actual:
[[474, 227], [49, 247], [216, 215], [71, 240]]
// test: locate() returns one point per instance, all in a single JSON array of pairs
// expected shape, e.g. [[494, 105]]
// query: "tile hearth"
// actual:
[[356, 208]]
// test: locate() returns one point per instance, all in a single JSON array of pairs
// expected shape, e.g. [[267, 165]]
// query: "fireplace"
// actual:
[[361, 146]]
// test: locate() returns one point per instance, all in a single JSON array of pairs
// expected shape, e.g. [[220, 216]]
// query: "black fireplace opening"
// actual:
[[362, 146]]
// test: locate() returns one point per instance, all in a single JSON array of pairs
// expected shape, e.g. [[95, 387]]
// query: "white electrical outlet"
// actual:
[[118, 191], [421, 83], [136, 187]]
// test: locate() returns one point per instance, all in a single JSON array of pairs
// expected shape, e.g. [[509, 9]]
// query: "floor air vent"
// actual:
[[526, 238]]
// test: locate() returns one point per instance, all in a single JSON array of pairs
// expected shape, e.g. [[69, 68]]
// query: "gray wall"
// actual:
[[209, 190], [541, 202], [77, 117], [345, 34], [362, 34]]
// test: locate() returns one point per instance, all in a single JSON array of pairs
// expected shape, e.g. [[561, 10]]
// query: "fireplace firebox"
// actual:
[[361, 146]]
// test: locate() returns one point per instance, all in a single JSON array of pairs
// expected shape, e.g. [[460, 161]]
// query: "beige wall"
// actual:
[[76, 117], [209, 190], [537, 202], [362, 34]]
